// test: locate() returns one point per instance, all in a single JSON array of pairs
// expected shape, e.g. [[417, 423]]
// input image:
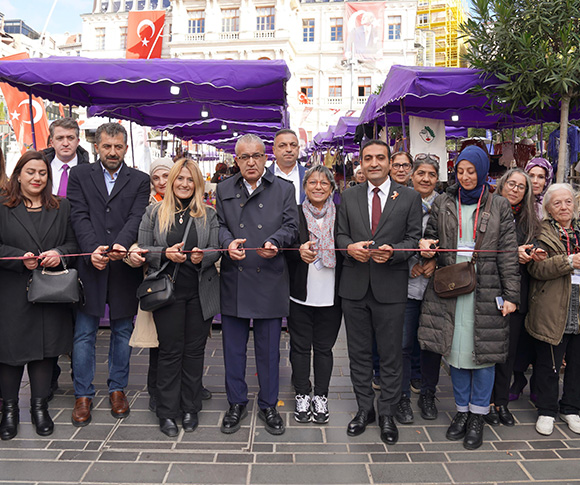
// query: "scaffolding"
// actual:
[[443, 18]]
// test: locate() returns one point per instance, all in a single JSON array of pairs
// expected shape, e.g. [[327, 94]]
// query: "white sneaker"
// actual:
[[573, 421], [320, 413], [302, 411], [545, 425]]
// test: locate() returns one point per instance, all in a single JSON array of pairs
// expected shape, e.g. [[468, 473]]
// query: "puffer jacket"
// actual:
[[497, 275], [550, 289]]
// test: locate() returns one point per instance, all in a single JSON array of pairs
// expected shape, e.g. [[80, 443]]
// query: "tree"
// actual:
[[533, 47]]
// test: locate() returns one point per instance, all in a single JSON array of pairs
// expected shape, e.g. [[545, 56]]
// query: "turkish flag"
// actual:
[[145, 34], [19, 108]]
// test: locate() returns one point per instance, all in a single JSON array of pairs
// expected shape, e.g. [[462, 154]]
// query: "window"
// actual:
[[423, 19], [265, 18], [230, 20], [196, 23], [123, 38], [423, 3], [335, 87], [394, 28], [100, 36], [308, 30], [307, 86], [364, 86], [336, 29]]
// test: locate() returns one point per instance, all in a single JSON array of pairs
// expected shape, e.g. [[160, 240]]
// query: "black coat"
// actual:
[[298, 269], [101, 219], [32, 331], [256, 287], [82, 155]]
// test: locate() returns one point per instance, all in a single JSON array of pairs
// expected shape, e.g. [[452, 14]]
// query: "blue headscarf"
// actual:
[[480, 161]]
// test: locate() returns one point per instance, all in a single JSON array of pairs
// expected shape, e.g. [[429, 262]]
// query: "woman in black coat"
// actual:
[[35, 225], [315, 311]]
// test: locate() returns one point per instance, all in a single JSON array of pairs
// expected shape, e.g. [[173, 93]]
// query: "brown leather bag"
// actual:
[[460, 278]]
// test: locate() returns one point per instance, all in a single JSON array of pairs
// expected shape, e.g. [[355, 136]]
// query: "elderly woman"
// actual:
[[34, 225], [471, 330], [516, 187], [554, 310], [182, 326], [424, 177], [401, 165], [315, 310]]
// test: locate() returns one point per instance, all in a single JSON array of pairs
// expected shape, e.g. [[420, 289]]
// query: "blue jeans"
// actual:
[[410, 326], [84, 360], [472, 388]]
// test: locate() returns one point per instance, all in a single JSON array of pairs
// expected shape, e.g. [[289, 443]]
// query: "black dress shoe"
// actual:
[[10, 419], [273, 420], [205, 394], [232, 418], [456, 430], [474, 434], [389, 431], [190, 422], [492, 418], [506, 418], [404, 412], [359, 422], [168, 427], [40, 417]]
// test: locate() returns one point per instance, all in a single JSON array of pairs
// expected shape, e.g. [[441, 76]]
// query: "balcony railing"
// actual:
[[361, 100], [229, 36], [264, 34], [334, 100], [195, 37]]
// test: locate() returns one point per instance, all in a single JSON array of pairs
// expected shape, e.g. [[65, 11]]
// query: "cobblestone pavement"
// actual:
[[133, 450]]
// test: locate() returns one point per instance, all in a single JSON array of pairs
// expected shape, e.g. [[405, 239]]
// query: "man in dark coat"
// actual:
[[256, 210], [383, 215], [286, 150], [107, 200]]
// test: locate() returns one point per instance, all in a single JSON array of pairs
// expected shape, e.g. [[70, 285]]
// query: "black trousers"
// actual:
[[547, 375], [152, 372], [39, 372], [312, 329], [503, 372], [362, 317], [430, 368], [182, 334]]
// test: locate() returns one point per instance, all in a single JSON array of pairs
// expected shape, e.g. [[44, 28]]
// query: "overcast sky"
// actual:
[[65, 18]]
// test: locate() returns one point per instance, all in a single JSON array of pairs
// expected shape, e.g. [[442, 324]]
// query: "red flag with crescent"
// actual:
[[20, 106], [145, 34]]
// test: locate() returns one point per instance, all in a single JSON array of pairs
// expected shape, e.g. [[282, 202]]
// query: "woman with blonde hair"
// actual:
[[170, 243]]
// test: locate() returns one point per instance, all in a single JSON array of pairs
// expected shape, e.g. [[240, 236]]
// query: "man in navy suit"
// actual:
[[256, 210], [382, 215], [286, 150], [107, 201]]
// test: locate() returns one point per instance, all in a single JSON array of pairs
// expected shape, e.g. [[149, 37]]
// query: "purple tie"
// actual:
[[63, 181]]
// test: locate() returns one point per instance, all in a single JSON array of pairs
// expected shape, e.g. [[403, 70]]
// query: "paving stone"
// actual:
[[235, 458], [428, 457], [79, 455], [113, 472], [119, 456], [288, 474], [404, 473], [55, 471], [573, 443], [67, 445], [94, 432], [480, 456], [275, 458], [475, 472], [331, 458], [390, 458], [524, 432], [511, 445], [310, 448], [553, 469], [569, 454], [452, 446], [213, 434], [139, 445], [212, 446], [176, 457], [30, 455], [292, 435], [546, 444], [263, 448], [367, 448], [543, 454], [208, 473]]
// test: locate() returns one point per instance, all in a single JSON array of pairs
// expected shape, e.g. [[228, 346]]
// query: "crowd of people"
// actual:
[[286, 247]]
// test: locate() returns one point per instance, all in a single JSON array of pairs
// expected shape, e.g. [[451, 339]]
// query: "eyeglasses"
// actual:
[[426, 156], [399, 166], [314, 183], [513, 185], [256, 156]]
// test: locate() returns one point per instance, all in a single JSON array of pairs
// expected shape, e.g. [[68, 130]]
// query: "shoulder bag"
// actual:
[[460, 278], [157, 290], [46, 286]]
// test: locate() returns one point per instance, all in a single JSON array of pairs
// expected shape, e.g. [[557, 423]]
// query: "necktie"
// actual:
[[63, 181], [376, 210]]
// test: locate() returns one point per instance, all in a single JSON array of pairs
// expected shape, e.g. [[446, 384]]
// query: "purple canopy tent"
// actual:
[[139, 85]]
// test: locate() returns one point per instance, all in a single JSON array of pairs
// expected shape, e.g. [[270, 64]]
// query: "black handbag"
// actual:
[[157, 290], [45, 286], [460, 278]]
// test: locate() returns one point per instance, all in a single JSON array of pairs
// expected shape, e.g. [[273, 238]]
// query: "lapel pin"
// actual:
[[395, 195]]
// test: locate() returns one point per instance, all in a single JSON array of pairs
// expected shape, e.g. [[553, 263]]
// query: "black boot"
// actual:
[[474, 435], [40, 417], [10, 419]]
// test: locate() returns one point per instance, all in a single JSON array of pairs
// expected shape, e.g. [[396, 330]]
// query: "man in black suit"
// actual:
[[107, 201], [375, 218]]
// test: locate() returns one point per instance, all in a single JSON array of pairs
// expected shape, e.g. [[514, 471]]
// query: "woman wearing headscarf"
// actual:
[[470, 330], [541, 174], [554, 310], [159, 171]]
